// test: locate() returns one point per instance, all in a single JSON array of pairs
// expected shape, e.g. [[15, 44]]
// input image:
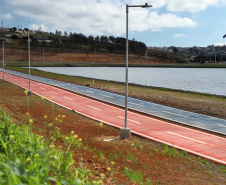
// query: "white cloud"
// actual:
[[7, 16], [41, 27], [191, 5], [220, 44], [97, 17], [180, 35], [157, 22]]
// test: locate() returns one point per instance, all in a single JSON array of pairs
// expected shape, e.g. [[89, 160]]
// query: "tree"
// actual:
[[112, 39], [14, 29], [43, 43], [97, 38], [34, 43], [14, 37], [175, 50]]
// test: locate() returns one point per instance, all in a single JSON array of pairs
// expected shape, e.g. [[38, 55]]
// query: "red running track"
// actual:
[[199, 143]]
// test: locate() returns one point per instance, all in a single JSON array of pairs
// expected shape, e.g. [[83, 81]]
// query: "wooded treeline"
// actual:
[[80, 41]]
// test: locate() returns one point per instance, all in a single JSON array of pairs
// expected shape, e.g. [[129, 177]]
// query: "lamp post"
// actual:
[[3, 63], [124, 131], [29, 64]]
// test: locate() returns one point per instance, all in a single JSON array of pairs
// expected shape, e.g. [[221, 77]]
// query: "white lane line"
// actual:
[[42, 88], [187, 137], [137, 104], [68, 98], [221, 125], [92, 107], [129, 120], [106, 96], [174, 114], [89, 91], [53, 92]]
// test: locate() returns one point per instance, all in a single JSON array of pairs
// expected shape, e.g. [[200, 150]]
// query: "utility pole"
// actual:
[[29, 64]]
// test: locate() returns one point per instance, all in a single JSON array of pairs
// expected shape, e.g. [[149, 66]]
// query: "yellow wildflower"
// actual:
[[26, 92], [27, 113], [66, 138], [59, 116], [101, 124], [72, 132], [28, 159], [102, 175], [75, 136], [112, 162], [30, 120], [36, 155], [51, 97], [108, 169], [11, 136], [63, 116], [45, 116], [100, 182], [80, 139], [50, 124], [51, 146], [43, 97]]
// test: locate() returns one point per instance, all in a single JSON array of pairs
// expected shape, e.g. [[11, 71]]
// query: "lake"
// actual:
[[205, 80]]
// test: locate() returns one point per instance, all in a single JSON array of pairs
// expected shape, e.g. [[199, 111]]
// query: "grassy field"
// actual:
[[97, 153]]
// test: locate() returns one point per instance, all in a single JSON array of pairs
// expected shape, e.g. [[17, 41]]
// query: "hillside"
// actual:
[[81, 49]]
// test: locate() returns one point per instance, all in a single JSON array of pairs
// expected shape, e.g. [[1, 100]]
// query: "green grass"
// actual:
[[27, 158]]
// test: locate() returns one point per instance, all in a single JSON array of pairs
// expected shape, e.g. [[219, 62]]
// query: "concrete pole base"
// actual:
[[125, 133], [29, 93], [3, 80]]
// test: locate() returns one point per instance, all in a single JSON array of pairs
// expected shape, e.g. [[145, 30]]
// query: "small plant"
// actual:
[[134, 176], [87, 84], [172, 152], [26, 157], [165, 151]]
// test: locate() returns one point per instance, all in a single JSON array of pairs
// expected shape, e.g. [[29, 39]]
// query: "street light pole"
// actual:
[[29, 65], [124, 131], [3, 63]]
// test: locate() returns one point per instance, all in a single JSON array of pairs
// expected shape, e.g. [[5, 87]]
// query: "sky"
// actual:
[[180, 23]]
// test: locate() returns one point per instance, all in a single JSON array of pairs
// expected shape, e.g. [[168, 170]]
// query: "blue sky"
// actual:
[[180, 23]]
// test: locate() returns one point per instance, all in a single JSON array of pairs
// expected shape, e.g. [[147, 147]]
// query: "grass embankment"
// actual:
[[195, 102], [28, 158], [103, 64], [133, 161]]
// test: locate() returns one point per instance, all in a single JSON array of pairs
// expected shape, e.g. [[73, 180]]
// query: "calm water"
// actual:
[[211, 81]]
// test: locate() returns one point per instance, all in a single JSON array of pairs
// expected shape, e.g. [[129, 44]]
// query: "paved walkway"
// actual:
[[199, 143], [168, 113]]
